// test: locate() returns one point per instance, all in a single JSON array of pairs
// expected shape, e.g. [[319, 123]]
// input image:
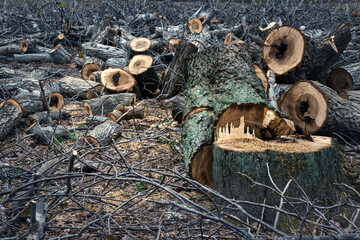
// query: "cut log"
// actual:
[[59, 39], [103, 51], [59, 55], [74, 87], [316, 108], [315, 165], [117, 79], [42, 117], [45, 135], [140, 44], [33, 57], [10, 49], [174, 76], [340, 80], [24, 44], [55, 101], [103, 134], [106, 37], [318, 58], [173, 43], [127, 113], [283, 49], [106, 104], [10, 117], [217, 96], [117, 63], [30, 101], [94, 120], [91, 65], [195, 25]]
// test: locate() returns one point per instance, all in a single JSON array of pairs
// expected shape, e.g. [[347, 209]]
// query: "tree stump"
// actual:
[[316, 166], [221, 88]]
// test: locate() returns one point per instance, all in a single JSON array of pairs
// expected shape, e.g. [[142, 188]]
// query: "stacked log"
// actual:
[[106, 104]]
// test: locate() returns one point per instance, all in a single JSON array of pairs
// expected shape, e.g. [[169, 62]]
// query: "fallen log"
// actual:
[[146, 77], [59, 55], [30, 101], [316, 108], [117, 79], [106, 104], [46, 135], [353, 96], [95, 76], [42, 117], [33, 57], [90, 65], [103, 51], [117, 62], [74, 87], [354, 71], [10, 117], [103, 134], [127, 113], [10, 49], [94, 120], [296, 56]]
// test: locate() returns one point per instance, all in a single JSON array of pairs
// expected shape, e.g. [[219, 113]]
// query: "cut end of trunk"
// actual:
[[90, 66], [55, 48], [92, 141], [201, 166], [285, 144], [228, 38], [283, 49], [119, 32], [13, 103], [88, 109], [140, 44], [30, 121], [340, 80], [56, 101], [250, 121], [262, 76], [173, 43], [117, 79], [306, 105], [95, 92], [24, 44], [214, 21], [195, 25], [140, 64]]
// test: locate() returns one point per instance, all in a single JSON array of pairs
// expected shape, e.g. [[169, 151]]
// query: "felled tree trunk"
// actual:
[[59, 55], [316, 108], [103, 51], [91, 64], [41, 117], [316, 166], [354, 71], [74, 87], [30, 101], [284, 51], [354, 96], [218, 95], [106, 104], [94, 120], [10, 117], [103, 133], [174, 76], [45, 135]]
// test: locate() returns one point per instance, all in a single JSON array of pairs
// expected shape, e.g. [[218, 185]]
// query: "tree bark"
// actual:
[[45, 135], [103, 52], [91, 64], [10, 117], [316, 166], [106, 104], [103, 133], [42, 117], [174, 76]]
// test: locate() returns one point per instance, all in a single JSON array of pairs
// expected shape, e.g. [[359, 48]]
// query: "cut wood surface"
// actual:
[[91, 64], [106, 104], [195, 25], [140, 64], [117, 79], [316, 108], [59, 55], [140, 44], [340, 80], [315, 165], [283, 49], [103, 133], [55, 101], [262, 76]]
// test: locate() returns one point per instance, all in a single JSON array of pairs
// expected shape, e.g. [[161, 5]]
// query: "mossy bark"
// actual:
[[316, 172]]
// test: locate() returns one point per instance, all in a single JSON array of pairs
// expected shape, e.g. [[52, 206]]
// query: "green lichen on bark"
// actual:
[[316, 172], [197, 131], [221, 76]]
